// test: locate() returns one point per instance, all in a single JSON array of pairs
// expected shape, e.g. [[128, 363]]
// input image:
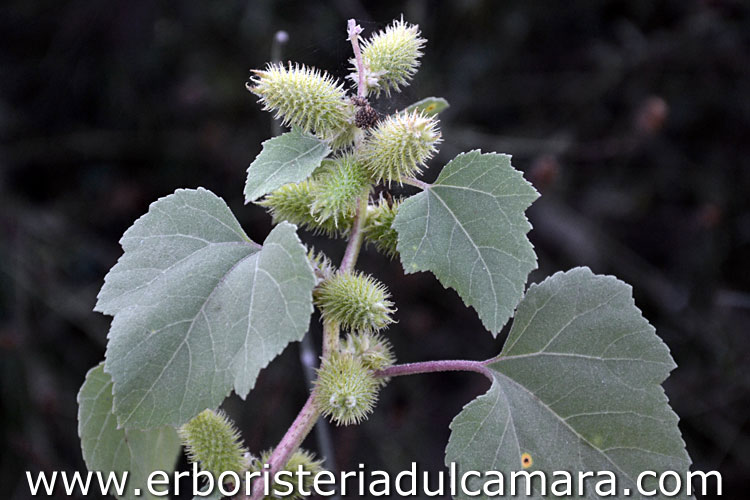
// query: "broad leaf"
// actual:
[[469, 229], [199, 308], [576, 387], [290, 157], [176, 229], [430, 106], [109, 449]]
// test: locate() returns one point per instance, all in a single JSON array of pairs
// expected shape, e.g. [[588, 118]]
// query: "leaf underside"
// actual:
[[469, 229], [429, 106], [199, 309], [576, 387], [290, 157], [109, 449]]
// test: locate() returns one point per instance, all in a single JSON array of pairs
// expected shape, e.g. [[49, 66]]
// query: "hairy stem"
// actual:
[[353, 30], [330, 338], [416, 183], [292, 440], [450, 365]]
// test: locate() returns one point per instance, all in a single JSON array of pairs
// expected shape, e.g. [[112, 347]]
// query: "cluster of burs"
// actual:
[[368, 149]]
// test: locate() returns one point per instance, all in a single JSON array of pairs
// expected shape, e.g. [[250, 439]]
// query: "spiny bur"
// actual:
[[347, 135], [336, 190], [305, 97], [212, 441], [345, 390], [399, 146], [293, 203], [391, 57], [373, 349], [310, 467], [379, 227], [354, 301]]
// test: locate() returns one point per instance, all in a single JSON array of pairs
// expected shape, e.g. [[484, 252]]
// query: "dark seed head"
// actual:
[[365, 117]]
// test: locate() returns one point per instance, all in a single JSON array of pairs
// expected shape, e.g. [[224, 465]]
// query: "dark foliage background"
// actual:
[[631, 117]]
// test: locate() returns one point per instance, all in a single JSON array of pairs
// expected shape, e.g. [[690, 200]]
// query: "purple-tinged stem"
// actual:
[[353, 30], [416, 183], [451, 365], [292, 440]]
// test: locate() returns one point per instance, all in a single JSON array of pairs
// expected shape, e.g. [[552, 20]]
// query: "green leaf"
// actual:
[[176, 229], [109, 449], [198, 308], [469, 229], [430, 106], [290, 157], [577, 387]]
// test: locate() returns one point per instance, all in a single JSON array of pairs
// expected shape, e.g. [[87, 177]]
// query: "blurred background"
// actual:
[[632, 118]]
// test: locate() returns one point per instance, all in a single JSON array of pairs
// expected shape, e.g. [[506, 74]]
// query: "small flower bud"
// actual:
[[322, 265], [355, 301], [373, 349], [345, 390], [337, 189], [310, 464], [400, 145], [378, 227], [391, 57], [212, 441], [305, 97]]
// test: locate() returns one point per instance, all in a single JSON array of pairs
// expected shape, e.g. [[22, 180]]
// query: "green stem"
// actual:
[[330, 338], [356, 237]]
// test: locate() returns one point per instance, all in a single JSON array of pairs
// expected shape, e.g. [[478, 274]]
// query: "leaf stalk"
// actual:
[[448, 365]]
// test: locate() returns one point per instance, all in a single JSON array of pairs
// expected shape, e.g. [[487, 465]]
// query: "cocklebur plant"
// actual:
[[199, 308], [354, 301], [304, 97], [399, 146], [390, 58], [346, 389], [212, 441]]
